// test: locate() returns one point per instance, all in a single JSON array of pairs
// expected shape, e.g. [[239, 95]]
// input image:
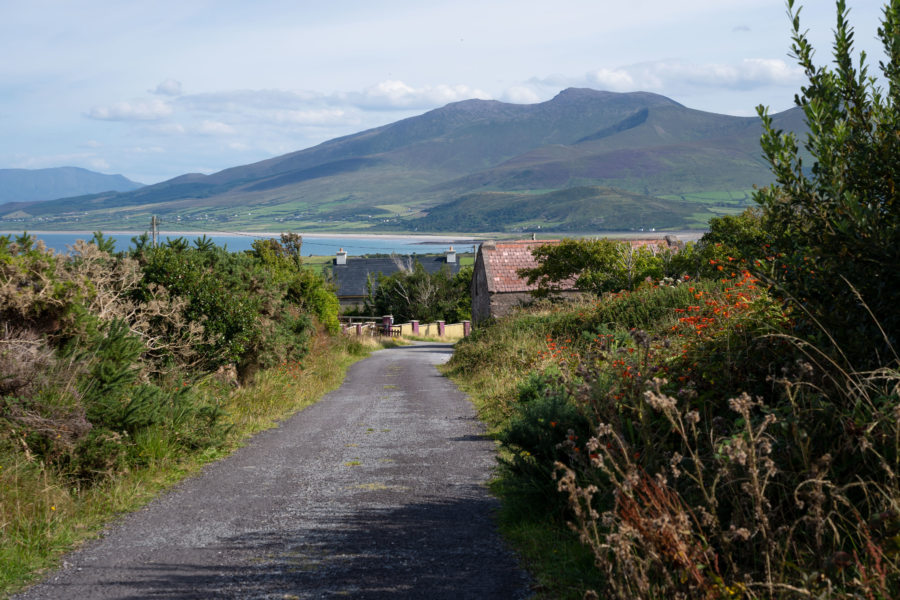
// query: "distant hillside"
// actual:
[[578, 209], [30, 185], [630, 160]]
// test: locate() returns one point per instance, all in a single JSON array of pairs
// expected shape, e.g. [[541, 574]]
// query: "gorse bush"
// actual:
[[100, 351], [218, 294]]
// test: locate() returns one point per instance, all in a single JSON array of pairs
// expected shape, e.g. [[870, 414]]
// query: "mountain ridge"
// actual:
[[616, 145]]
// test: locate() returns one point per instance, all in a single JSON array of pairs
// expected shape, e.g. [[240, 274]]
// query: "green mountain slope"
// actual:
[[590, 148], [579, 209]]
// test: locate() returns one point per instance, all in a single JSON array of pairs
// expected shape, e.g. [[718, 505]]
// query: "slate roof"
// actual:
[[351, 278]]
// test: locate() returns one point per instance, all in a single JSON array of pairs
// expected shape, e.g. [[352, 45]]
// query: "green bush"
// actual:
[[544, 418], [217, 287], [834, 225], [594, 265], [418, 294], [106, 347]]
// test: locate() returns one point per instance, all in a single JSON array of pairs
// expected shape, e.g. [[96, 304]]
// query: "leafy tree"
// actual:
[[306, 289], [594, 265], [418, 294], [732, 241], [835, 225]]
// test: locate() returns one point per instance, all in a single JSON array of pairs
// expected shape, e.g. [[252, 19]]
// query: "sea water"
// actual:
[[319, 246]]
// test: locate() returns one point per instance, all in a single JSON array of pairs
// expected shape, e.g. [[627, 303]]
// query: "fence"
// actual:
[[385, 326]]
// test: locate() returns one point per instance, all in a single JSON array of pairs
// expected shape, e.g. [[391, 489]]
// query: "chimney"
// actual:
[[341, 257], [451, 255]]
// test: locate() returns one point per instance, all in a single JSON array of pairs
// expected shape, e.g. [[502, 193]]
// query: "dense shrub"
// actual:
[[100, 351], [414, 293], [745, 427], [595, 265], [737, 241], [834, 225], [544, 417]]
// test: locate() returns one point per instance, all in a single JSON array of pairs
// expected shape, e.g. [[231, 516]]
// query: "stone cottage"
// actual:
[[496, 285]]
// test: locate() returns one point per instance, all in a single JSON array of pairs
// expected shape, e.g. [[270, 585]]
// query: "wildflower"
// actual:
[[673, 464], [737, 534]]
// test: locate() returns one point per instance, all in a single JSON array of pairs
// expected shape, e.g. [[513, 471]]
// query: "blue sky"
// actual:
[[153, 90]]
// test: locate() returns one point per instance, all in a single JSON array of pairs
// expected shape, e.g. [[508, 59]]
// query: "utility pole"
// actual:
[[154, 229]]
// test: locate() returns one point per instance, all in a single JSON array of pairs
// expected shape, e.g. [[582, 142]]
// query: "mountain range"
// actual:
[[33, 185], [585, 160]]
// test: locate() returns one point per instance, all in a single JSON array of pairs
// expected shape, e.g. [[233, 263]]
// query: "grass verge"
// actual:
[[42, 516], [497, 362]]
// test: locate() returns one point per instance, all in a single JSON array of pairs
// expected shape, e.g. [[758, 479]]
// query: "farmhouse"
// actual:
[[497, 287], [352, 275]]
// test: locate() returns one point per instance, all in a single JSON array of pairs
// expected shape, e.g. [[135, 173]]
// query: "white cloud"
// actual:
[[392, 94], [520, 94], [207, 127], [167, 129], [325, 116], [617, 80], [169, 87], [98, 164], [151, 110], [672, 76]]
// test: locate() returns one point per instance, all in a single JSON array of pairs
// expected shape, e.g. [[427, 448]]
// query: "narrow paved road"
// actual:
[[375, 492]]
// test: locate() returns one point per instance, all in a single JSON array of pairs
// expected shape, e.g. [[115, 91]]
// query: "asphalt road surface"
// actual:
[[377, 491]]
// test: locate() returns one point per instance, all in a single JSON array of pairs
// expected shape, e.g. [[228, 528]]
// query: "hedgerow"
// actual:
[[100, 351], [744, 437]]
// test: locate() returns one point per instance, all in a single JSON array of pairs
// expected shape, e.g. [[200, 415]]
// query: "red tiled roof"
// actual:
[[502, 261]]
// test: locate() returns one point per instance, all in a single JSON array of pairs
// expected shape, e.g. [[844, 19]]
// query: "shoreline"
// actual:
[[423, 238], [690, 235]]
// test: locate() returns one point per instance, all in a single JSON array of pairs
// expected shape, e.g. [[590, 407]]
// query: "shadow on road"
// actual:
[[427, 550]]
